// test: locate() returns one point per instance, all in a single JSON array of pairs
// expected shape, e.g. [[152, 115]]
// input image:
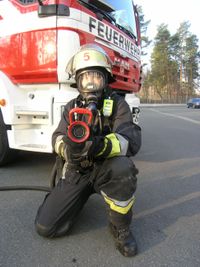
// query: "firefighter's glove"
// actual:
[[105, 147], [73, 147], [96, 147], [73, 152]]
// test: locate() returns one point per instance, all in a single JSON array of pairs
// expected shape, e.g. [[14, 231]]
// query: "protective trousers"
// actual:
[[115, 179]]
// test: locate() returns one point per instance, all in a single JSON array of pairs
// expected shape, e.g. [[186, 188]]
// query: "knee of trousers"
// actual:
[[52, 231], [119, 166], [43, 230], [118, 171]]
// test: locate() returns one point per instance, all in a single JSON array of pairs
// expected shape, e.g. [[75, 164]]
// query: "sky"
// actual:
[[172, 13]]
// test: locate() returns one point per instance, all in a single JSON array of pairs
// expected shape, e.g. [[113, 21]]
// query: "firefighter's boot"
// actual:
[[120, 228], [124, 240]]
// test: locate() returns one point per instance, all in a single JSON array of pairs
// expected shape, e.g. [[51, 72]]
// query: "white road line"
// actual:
[[173, 203], [176, 116]]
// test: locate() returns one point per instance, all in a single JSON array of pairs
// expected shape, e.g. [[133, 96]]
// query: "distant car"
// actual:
[[193, 103]]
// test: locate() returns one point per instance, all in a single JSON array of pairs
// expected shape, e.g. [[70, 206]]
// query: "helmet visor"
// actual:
[[91, 81]]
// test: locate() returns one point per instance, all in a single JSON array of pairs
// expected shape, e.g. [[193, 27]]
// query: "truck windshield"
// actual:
[[119, 12], [123, 13]]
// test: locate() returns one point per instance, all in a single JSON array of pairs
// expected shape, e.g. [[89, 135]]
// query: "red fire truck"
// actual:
[[37, 39]]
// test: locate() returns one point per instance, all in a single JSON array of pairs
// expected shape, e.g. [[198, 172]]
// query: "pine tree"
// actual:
[[145, 42], [184, 50], [162, 66]]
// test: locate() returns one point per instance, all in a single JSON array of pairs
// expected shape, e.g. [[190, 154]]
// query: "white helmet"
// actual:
[[89, 56]]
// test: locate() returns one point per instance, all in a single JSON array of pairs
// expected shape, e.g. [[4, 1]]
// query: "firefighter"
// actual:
[[102, 164]]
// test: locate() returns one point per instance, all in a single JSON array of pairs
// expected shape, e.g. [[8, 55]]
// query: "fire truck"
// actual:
[[37, 39]]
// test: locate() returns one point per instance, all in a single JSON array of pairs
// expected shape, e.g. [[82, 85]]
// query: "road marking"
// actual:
[[176, 116], [171, 204]]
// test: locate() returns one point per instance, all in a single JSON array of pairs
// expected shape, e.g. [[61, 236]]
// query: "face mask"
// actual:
[[91, 82]]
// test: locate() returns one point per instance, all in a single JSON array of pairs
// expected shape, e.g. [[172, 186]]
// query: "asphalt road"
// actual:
[[166, 215]]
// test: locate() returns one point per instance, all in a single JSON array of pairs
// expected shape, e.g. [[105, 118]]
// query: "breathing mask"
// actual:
[[90, 84]]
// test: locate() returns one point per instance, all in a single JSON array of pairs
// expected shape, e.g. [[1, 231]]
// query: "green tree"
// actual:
[[162, 67], [192, 56], [184, 50], [145, 42], [174, 63]]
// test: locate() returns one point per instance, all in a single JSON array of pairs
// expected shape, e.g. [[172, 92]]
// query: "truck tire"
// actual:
[[7, 155]]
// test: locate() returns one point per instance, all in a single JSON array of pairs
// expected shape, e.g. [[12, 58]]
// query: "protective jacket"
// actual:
[[122, 135]]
